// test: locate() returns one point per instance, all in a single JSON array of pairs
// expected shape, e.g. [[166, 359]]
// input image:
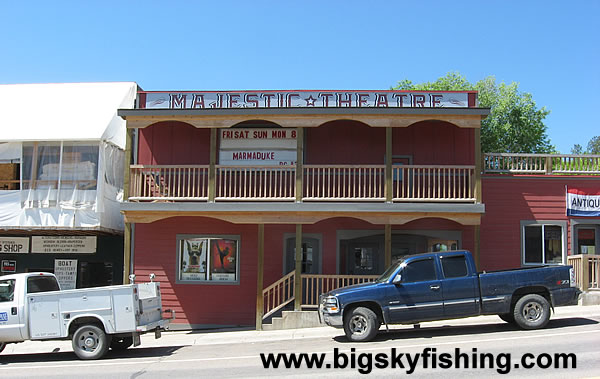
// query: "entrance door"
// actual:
[[11, 312], [586, 239], [311, 256], [363, 259]]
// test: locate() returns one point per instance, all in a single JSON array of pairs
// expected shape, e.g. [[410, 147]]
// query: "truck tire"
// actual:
[[2, 346], [508, 317], [532, 312], [90, 342], [361, 325], [121, 343]]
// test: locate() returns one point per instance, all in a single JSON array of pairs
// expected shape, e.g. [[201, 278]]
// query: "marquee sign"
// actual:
[[258, 147], [304, 99], [583, 202]]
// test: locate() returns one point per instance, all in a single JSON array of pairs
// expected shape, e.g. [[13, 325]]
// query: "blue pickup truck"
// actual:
[[446, 285]]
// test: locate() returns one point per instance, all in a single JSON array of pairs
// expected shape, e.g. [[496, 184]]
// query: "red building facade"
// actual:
[[239, 201]]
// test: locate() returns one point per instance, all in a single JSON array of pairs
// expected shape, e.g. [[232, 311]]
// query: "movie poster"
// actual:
[[223, 259], [193, 259]]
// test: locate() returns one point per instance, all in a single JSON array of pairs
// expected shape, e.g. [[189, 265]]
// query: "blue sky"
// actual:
[[552, 48]]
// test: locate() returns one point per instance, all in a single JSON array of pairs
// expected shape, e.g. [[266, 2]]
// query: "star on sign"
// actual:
[[310, 101]]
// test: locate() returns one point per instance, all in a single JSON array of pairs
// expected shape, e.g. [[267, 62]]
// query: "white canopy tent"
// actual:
[[69, 145]]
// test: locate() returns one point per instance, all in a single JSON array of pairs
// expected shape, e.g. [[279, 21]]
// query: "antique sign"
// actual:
[[583, 202]]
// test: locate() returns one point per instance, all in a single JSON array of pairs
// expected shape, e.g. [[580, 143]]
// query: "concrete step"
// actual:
[[294, 320]]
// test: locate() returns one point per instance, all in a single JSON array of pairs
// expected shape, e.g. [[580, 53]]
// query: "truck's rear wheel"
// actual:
[[121, 343], [532, 312], [361, 324], [90, 342]]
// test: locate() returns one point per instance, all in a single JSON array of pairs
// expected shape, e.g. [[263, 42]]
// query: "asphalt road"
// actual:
[[574, 334]]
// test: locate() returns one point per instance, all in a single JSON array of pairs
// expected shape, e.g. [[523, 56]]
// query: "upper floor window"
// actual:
[[543, 242]]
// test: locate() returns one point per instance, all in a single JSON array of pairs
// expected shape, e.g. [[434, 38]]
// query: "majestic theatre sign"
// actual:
[[306, 99]]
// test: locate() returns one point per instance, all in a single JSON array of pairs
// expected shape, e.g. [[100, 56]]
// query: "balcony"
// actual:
[[544, 164], [318, 183]]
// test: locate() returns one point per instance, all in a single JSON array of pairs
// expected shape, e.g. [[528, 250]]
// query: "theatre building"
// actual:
[[246, 203]]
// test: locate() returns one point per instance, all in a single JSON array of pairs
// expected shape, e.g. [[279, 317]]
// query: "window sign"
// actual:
[[208, 259], [66, 273], [9, 266], [63, 244]]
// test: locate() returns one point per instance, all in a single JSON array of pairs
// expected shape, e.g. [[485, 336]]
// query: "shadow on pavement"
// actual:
[[69, 356], [456, 330]]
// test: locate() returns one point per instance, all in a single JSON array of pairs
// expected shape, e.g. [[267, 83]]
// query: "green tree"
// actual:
[[593, 147], [515, 123]]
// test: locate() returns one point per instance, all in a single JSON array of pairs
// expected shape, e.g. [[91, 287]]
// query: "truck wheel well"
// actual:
[[367, 304], [75, 324], [538, 290]]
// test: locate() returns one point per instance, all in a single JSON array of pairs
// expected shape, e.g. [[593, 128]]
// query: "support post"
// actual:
[[298, 270], [126, 189], [476, 247], [388, 165], [477, 138], [585, 277], [388, 245], [212, 173], [299, 164], [259, 276]]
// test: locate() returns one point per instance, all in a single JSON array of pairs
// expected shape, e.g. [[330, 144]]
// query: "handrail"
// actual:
[[587, 270], [314, 285], [278, 294], [548, 164]]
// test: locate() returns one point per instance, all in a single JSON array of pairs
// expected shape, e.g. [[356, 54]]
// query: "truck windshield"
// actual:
[[41, 284], [386, 276]]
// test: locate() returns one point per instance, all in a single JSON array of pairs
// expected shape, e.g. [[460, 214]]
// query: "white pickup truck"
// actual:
[[32, 307]]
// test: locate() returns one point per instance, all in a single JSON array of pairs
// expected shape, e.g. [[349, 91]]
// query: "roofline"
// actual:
[[124, 113]]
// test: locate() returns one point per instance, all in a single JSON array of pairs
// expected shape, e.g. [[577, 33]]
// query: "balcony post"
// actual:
[[478, 197], [259, 276], [212, 174], [298, 270], [549, 165], [299, 164], [388, 165], [388, 245], [126, 190]]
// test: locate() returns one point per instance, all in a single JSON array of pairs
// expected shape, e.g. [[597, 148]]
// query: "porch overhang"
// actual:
[[303, 213], [305, 117]]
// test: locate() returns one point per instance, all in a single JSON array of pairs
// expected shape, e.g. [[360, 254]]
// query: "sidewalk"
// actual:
[[228, 336]]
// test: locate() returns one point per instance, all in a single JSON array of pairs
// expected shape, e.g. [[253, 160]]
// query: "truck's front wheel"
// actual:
[[532, 312], [361, 324], [90, 342]]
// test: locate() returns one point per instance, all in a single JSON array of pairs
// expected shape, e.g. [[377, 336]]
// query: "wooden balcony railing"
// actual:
[[281, 293], [256, 183], [587, 270], [547, 164], [320, 183], [433, 183], [344, 182], [170, 182]]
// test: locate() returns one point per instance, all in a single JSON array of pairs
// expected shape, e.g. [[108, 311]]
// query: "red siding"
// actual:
[[508, 201], [173, 143], [344, 142], [433, 142]]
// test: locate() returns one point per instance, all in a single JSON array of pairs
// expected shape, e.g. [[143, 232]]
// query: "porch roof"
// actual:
[[305, 117], [303, 213]]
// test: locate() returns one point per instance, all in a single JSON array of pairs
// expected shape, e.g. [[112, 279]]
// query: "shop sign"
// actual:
[[258, 147], [583, 202], [63, 244], [14, 245], [66, 273], [9, 266], [305, 99]]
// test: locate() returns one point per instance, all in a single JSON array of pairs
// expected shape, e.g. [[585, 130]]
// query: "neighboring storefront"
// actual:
[[61, 180]]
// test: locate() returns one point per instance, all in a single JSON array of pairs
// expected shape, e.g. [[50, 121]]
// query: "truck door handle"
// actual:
[[13, 311], [434, 288]]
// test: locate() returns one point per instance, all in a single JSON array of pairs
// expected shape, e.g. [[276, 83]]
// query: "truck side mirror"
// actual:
[[397, 279]]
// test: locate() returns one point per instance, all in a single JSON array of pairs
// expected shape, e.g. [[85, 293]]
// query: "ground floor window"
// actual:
[[208, 259], [585, 239], [543, 242]]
